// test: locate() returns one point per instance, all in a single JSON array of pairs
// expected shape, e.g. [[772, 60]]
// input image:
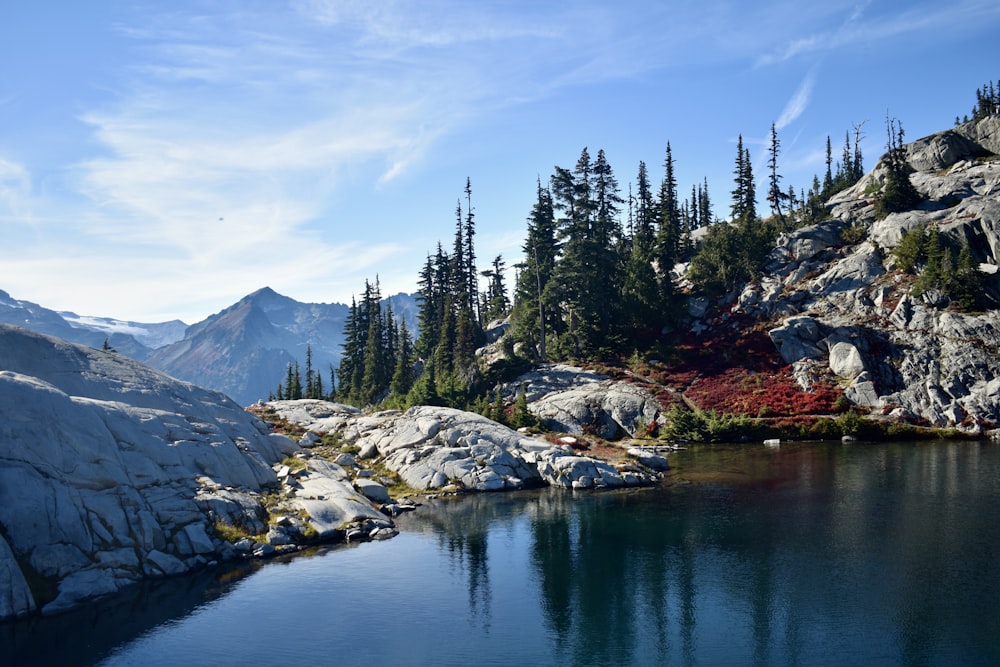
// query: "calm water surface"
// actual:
[[803, 555]]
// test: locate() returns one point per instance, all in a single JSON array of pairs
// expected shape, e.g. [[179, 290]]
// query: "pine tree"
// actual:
[[668, 234], [374, 377], [521, 417], [749, 189], [294, 390], [574, 273], [775, 196], [828, 178], [532, 316], [471, 287], [427, 318], [899, 194], [605, 286], [424, 391], [495, 301], [744, 195], [969, 282], [310, 380], [402, 376], [705, 205]]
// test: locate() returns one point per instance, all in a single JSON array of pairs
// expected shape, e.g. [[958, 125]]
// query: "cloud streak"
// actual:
[[798, 102], [861, 27]]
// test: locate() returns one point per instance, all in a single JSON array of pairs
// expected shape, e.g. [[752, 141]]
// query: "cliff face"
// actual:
[[843, 308]]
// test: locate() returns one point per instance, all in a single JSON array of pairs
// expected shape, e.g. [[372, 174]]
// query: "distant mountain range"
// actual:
[[133, 339], [243, 351]]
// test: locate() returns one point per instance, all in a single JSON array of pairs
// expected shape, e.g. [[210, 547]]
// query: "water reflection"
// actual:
[[811, 555], [86, 635]]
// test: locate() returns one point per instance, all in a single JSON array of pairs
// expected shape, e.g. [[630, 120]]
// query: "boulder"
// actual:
[[846, 361], [942, 150], [797, 338], [571, 400], [649, 458], [372, 490]]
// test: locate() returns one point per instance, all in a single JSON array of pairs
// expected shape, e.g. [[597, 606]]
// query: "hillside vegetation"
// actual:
[[801, 314]]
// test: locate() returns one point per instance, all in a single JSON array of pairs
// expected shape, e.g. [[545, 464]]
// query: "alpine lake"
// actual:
[[802, 554]]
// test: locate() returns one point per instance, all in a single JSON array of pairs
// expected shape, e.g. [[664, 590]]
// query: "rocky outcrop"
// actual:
[[837, 305], [111, 472], [437, 448], [568, 399]]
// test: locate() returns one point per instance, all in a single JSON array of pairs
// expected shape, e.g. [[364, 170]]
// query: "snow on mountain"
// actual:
[[134, 339], [151, 335]]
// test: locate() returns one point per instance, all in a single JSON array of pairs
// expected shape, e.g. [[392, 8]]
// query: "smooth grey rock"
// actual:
[[110, 471], [345, 461], [797, 338], [862, 392], [846, 361], [83, 585], [942, 150], [649, 459], [278, 536], [372, 490], [163, 563], [201, 543], [572, 400]]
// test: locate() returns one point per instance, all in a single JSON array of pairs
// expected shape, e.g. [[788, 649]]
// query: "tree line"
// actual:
[[987, 104], [601, 273], [597, 276]]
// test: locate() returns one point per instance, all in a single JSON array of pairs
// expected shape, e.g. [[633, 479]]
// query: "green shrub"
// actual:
[[853, 235]]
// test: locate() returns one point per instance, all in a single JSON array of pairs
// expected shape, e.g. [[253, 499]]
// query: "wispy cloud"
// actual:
[[864, 27], [798, 102]]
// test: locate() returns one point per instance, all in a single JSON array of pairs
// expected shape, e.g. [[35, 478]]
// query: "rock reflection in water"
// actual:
[[84, 636]]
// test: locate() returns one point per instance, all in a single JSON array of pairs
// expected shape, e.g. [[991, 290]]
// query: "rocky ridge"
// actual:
[[111, 472], [438, 449], [839, 307]]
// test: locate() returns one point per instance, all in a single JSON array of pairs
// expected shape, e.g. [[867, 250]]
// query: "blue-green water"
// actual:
[[804, 555]]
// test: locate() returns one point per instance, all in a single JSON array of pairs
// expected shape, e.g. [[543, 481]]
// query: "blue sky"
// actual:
[[161, 160]]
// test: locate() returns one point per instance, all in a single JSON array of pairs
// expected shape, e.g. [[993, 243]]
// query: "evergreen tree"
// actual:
[[533, 315], [987, 102], [317, 387], [428, 293], [402, 376], [668, 235], [705, 205], [495, 301], [744, 195], [733, 254], [828, 178], [573, 273], [775, 196], [749, 189], [424, 391], [471, 287], [295, 384], [603, 305], [843, 178], [375, 376], [521, 417], [898, 194], [969, 282], [310, 380]]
